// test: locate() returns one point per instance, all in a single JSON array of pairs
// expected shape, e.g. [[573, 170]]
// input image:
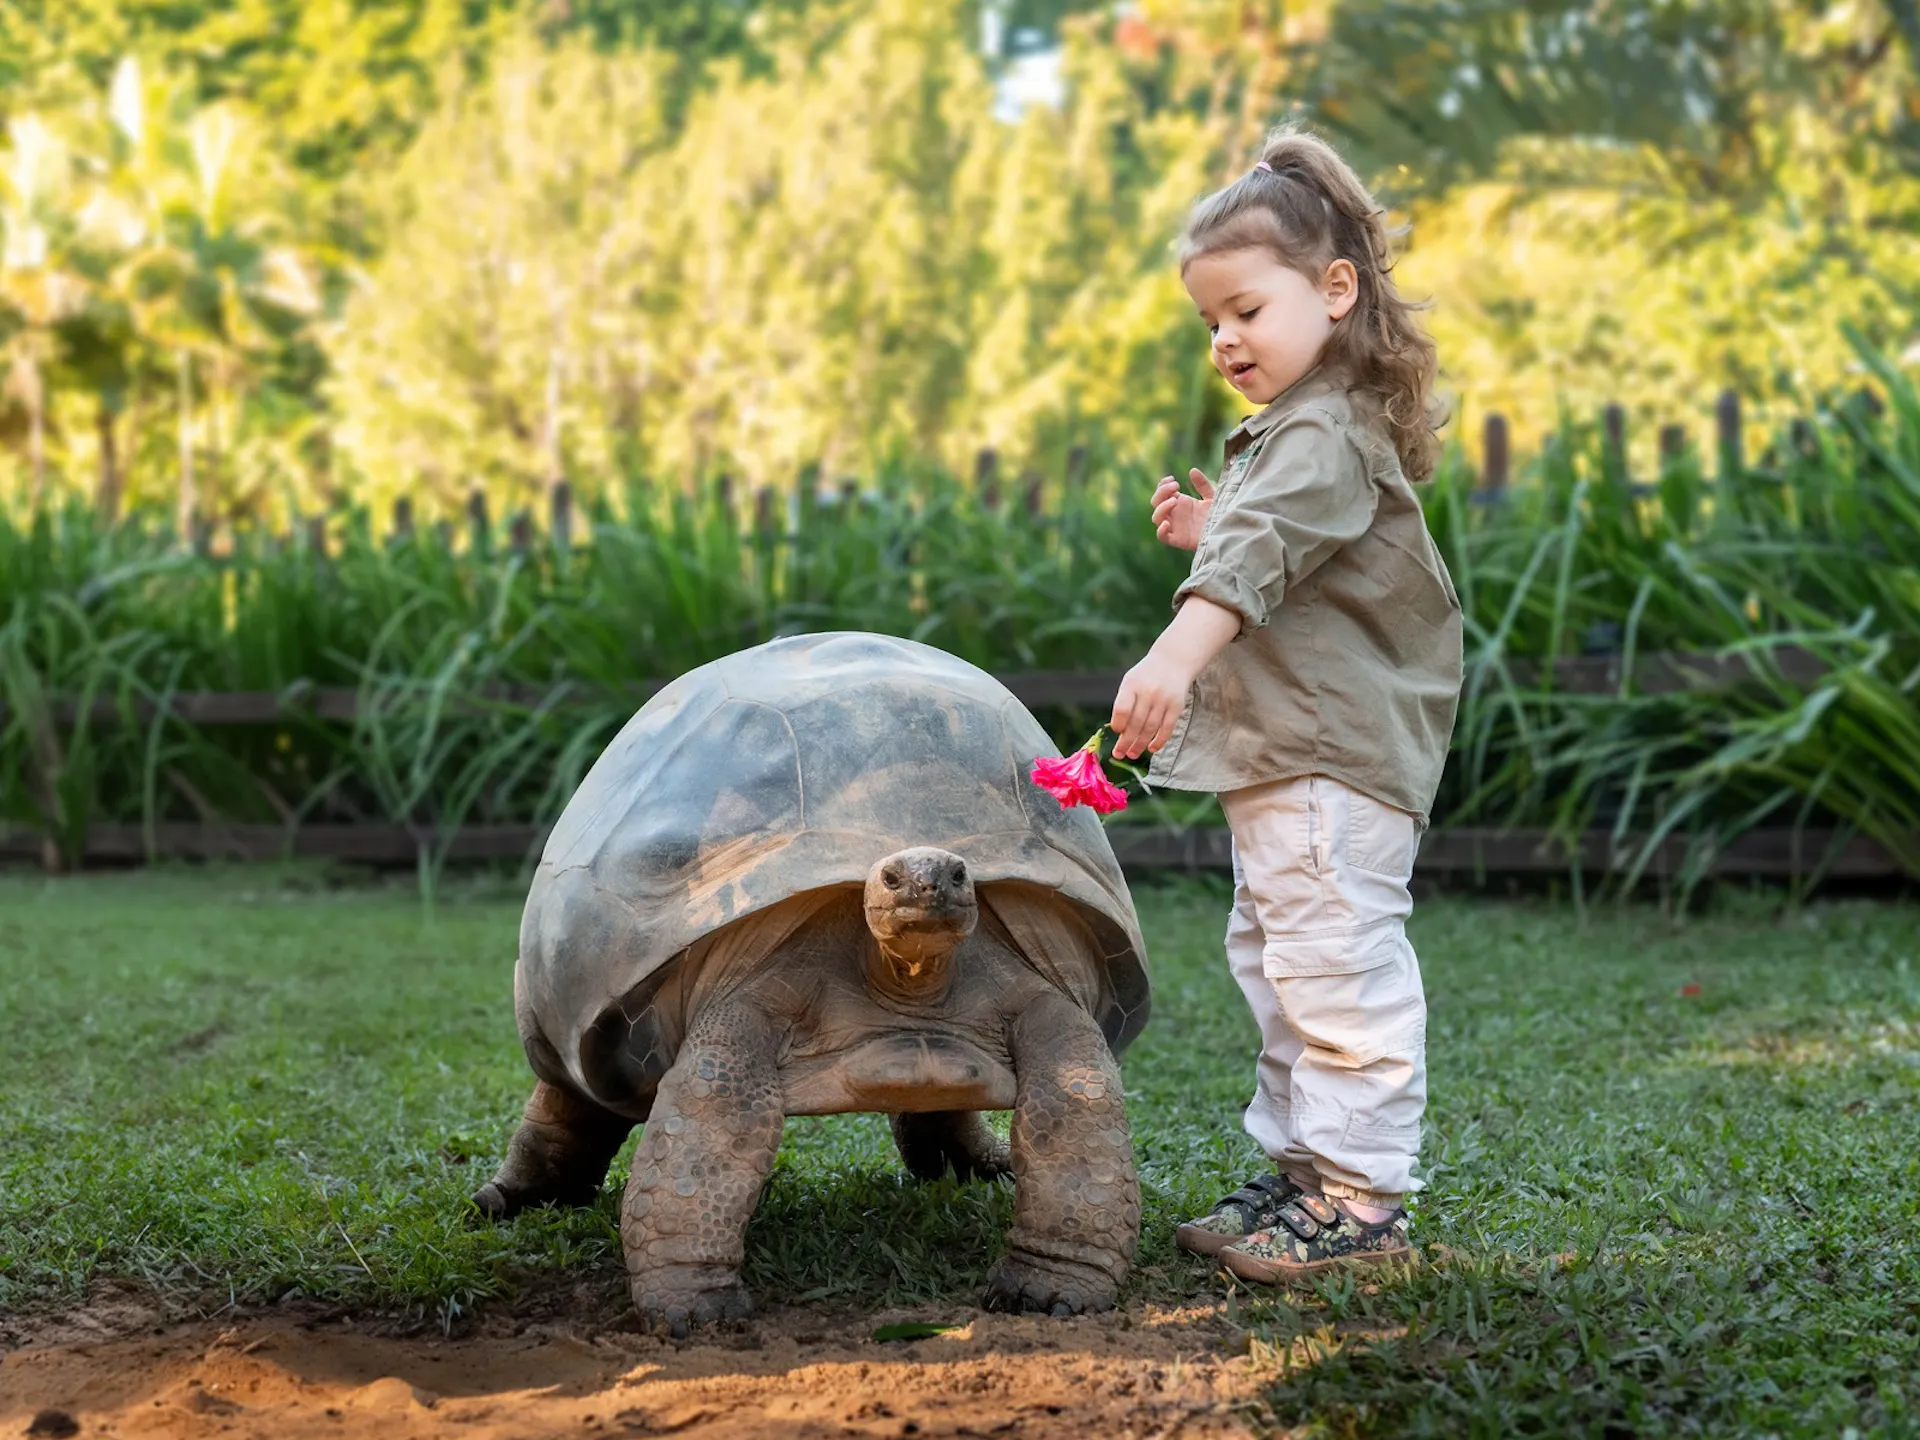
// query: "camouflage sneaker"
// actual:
[[1254, 1207], [1312, 1235]]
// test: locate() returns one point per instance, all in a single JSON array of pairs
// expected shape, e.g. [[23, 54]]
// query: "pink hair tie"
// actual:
[[1263, 165]]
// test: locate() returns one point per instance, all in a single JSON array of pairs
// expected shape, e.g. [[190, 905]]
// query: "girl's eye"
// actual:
[[1213, 329], [1249, 314]]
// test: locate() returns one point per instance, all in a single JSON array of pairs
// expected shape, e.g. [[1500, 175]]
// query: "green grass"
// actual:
[[1650, 1213]]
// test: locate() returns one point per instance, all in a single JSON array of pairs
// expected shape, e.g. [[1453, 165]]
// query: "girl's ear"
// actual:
[[1340, 288]]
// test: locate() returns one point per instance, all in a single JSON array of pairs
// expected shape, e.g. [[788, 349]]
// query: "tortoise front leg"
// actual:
[[1076, 1209], [699, 1169]]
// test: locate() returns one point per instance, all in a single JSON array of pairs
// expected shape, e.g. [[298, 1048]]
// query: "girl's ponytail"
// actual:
[[1304, 203]]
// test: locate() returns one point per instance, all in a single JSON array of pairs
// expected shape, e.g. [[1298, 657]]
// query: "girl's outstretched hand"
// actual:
[[1178, 518]]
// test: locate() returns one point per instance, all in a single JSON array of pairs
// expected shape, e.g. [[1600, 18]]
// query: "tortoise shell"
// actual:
[[790, 767]]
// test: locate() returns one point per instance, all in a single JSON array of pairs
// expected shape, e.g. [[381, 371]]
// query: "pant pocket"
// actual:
[[1380, 839]]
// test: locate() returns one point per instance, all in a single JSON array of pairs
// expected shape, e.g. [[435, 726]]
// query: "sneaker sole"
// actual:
[[1197, 1241], [1268, 1272]]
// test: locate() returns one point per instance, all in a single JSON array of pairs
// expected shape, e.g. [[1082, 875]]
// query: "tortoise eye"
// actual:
[[960, 874], [891, 877]]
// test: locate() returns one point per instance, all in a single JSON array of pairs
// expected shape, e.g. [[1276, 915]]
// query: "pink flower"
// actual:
[[1077, 779]]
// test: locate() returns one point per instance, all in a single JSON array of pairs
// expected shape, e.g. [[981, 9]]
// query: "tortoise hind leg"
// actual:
[[558, 1156], [935, 1141]]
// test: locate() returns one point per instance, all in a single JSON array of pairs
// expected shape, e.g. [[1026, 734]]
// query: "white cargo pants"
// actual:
[[1318, 943]]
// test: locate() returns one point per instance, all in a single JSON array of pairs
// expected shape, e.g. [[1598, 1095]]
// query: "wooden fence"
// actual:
[[522, 533], [1653, 674], [1784, 854]]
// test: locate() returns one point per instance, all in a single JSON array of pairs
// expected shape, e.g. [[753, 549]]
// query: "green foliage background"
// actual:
[[259, 255]]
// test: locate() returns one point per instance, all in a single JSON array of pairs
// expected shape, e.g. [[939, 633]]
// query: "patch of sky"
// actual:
[[1026, 60]]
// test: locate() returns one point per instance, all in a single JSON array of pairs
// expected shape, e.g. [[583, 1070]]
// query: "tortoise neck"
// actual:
[[909, 970]]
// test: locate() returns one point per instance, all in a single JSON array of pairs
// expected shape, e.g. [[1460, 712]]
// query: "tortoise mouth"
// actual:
[[913, 936], [902, 919]]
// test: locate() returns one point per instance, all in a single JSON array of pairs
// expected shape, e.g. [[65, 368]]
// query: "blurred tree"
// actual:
[[147, 233], [347, 81], [40, 285], [1628, 201], [588, 236]]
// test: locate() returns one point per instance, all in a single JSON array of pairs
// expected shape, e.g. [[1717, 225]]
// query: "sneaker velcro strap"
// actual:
[[1259, 1194], [1296, 1219], [1321, 1208]]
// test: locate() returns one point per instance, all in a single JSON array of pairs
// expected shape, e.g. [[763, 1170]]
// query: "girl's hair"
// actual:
[[1304, 204]]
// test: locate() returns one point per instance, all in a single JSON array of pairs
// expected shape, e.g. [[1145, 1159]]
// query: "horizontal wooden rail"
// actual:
[[1663, 673], [1759, 854]]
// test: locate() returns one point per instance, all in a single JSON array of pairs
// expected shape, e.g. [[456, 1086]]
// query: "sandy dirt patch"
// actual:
[[794, 1372]]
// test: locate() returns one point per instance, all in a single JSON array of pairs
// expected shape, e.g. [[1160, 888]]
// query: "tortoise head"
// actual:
[[920, 906]]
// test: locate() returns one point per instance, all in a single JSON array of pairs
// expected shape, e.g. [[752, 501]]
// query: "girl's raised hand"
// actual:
[[1178, 518]]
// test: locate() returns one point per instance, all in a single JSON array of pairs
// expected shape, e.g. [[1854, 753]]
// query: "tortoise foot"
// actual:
[[558, 1156], [680, 1315], [494, 1203], [1047, 1288], [934, 1142]]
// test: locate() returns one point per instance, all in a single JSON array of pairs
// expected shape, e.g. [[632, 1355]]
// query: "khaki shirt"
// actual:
[[1348, 660]]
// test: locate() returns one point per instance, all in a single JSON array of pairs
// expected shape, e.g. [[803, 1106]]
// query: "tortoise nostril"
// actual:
[[891, 877]]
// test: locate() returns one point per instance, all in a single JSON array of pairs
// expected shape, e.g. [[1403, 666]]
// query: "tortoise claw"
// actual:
[[492, 1202], [713, 1307], [1021, 1285]]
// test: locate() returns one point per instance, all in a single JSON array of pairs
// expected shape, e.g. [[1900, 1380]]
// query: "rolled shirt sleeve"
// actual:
[[1303, 495]]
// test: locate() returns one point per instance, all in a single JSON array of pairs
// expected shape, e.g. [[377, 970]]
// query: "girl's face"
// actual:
[[1269, 322]]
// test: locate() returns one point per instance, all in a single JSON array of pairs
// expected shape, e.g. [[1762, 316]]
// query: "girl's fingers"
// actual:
[[1163, 728], [1202, 485], [1148, 719], [1164, 510]]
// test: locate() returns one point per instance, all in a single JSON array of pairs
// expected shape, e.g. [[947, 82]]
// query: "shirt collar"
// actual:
[[1310, 386]]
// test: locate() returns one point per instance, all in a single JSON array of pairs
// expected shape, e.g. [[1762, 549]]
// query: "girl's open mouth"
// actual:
[[1238, 370]]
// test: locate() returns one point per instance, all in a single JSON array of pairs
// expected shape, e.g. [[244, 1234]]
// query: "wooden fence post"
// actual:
[[317, 536], [520, 532], [1036, 495], [1726, 415], [763, 503], [479, 524], [804, 506], [560, 513], [1673, 443], [1613, 420], [1076, 470], [402, 519], [1494, 458], [986, 478]]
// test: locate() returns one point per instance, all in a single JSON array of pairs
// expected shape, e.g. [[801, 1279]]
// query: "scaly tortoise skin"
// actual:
[[813, 878]]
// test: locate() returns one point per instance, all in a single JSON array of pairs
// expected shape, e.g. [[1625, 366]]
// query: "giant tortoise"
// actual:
[[811, 878]]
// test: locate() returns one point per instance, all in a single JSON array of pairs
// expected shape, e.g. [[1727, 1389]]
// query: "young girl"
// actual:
[[1310, 677]]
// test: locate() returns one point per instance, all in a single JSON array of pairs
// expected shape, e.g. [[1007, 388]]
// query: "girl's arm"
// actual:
[[1154, 692]]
